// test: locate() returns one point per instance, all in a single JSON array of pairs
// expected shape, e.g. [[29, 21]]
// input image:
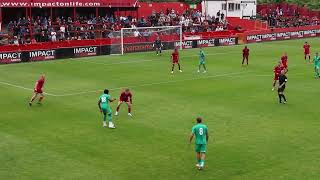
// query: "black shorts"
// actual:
[[281, 89]]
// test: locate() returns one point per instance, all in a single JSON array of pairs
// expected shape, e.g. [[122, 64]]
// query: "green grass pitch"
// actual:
[[252, 136]]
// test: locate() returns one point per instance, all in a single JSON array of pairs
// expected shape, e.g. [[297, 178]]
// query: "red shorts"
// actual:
[[306, 53], [123, 101], [39, 91], [285, 66], [245, 55], [175, 61], [276, 77]]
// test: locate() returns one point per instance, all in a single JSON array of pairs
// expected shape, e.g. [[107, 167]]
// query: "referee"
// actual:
[[282, 86], [158, 45]]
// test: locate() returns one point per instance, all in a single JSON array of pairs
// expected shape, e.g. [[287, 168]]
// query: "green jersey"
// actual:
[[316, 61], [202, 56], [104, 101], [200, 131]]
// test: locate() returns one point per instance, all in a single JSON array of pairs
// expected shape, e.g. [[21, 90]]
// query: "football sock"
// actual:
[[204, 66], [104, 117], [283, 97], [280, 98], [32, 99], [40, 99], [110, 117], [179, 66], [129, 109], [118, 107]]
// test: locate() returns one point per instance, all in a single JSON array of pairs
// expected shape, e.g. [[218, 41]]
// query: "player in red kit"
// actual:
[[284, 61], [277, 71], [245, 55], [175, 59], [38, 90], [125, 97], [306, 48]]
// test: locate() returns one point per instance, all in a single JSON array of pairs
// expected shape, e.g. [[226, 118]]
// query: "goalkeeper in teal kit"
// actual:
[[200, 131], [202, 61], [105, 109]]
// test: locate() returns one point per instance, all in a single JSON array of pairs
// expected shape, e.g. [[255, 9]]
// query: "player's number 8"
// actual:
[[104, 99], [201, 131]]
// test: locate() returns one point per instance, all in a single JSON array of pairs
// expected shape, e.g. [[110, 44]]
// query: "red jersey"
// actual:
[[126, 97], [40, 84], [175, 57], [306, 48], [284, 61], [277, 70], [245, 51]]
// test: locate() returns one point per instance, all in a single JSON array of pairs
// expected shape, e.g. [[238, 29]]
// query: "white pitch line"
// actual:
[[25, 88], [156, 83], [133, 61], [144, 85]]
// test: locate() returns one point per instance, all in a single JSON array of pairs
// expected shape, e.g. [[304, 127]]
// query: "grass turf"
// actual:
[[252, 136]]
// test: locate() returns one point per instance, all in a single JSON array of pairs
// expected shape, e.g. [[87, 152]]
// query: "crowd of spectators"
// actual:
[[284, 18], [43, 29]]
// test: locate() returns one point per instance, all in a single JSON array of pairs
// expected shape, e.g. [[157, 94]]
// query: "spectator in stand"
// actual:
[[53, 36], [46, 29], [62, 32]]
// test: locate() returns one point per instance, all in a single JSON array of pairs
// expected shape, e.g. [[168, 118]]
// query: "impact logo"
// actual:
[[227, 41], [206, 42], [256, 38], [184, 44], [309, 33], [283, 35], [269, 37], [10, 57], [42, 55], [296, 34], [85, 51]]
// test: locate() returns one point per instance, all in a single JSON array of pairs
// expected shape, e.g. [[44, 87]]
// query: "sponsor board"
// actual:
[[206, 42], [296, 34], [262, 37], [10, 57], [184, 44], [42, 55], [283, 35], [127, 48], [85, 51], [227, 41], [309, 33]]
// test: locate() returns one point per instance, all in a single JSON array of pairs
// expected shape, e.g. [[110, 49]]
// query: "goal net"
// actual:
[[141, 39]]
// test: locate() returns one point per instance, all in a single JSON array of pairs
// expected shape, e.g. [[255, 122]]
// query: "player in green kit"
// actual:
[[104, 107], [316, 61], [200, 131], [202, 61]]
